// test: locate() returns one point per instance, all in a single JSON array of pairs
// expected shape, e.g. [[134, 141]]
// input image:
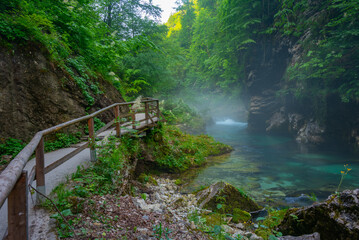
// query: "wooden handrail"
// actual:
[[12, 172]]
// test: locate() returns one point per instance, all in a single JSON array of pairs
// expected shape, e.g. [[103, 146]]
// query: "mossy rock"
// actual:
[[240, 216], [213, 219], [226, 195], [144, 178], [178, 182], [337, 216]]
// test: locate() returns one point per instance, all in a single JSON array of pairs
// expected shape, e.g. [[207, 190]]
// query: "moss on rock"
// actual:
[[228, 196], [240, 216]]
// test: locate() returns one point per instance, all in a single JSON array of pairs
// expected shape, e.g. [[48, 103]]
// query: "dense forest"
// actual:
[[265, 71], [299, 57]]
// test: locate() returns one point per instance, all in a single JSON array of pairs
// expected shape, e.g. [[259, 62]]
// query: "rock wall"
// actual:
[[36, 94], [337, 125]]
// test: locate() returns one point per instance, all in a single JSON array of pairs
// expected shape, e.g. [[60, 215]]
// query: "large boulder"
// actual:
[[312, 132], [336, 218], [230, 198]]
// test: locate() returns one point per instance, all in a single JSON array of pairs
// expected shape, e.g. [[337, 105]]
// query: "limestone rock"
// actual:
[[314, 236], [337, 217], [295, 122], [210, 197], [311, 132], [36, 94], [278, 123]]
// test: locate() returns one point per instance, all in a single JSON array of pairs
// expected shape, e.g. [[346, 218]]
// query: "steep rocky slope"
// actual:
[[35, 93], [335, 122]]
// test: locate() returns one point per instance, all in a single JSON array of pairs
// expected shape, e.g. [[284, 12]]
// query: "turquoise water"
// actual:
[[275, 169]]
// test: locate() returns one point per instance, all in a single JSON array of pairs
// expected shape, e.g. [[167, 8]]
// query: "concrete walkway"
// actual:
[[38, 218]]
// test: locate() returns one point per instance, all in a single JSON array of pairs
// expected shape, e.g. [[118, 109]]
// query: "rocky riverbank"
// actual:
[[156, 210]]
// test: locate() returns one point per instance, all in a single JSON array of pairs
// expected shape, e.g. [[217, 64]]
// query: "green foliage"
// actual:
[[11, 147], [62, 140], [79, 37], [159, 232], [176, 151], [343, 174], [267, 226], [145, 178], [100, 178], [103, 177], [179, 113], [329, 56], [98, 124], [212, 41], [240, 216], [64, 230]]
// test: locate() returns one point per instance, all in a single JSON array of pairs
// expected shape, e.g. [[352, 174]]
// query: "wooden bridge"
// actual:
[[21, 173]]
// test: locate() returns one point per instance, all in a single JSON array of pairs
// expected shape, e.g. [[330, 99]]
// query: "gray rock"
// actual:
[[311, 132], [233, 198], [338, 216], [255, 237], [278, 123], [314, 236], [36, 94], [295, 122]]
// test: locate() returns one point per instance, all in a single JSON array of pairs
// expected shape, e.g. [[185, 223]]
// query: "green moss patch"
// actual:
[[240, 216], [176, 151]]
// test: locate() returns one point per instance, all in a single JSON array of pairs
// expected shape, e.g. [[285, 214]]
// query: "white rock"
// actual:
[[255, 237], [228, 229], [240, 226]]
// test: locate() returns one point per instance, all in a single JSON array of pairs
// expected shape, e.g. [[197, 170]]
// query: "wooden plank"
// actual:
[[40, 170], [146, 112], [117, 121], [4, 237], [65, 158], [92, 142], [134, 121], [31, 176], [18, 210], [126, 115], [104, 128], [158, 109]]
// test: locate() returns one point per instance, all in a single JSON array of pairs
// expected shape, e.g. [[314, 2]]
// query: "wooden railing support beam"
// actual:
[[146, 112], [133, 116], [92, 142], [18, 210], [158, 109], [117, 121], [40, 171]]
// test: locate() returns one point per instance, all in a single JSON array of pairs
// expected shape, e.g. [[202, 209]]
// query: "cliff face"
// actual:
[[36, 94], [272, 113]]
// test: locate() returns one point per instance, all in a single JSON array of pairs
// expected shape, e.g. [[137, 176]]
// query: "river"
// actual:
[[273, 170]]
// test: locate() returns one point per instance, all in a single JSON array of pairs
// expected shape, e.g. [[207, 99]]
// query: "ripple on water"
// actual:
[[269, 168]]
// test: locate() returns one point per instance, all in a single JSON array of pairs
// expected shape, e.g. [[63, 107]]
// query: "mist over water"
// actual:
[[230, 122], [274, 168]]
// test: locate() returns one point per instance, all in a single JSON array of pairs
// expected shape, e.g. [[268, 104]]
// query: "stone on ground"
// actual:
[[227, 196], [337, 217]]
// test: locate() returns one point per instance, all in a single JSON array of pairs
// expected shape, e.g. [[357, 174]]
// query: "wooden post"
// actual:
[[40, 171], [158, 110], [18, 210], [117, 121], [133, 116], [146, 112], [92, 142]]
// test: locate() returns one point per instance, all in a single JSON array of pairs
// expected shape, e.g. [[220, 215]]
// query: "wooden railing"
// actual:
[[14, 180]]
